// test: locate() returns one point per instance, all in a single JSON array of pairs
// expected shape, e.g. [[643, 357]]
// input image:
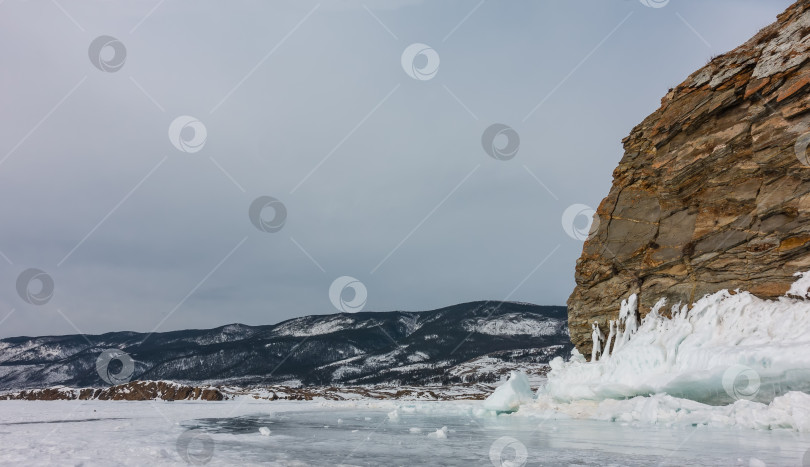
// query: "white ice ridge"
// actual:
[[790, 412], [730, 349], [728, 346]]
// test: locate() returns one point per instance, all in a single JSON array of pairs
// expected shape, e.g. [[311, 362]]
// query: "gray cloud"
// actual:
[[384, 177]]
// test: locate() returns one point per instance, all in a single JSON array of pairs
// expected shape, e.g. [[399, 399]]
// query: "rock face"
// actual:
[[713, 191]]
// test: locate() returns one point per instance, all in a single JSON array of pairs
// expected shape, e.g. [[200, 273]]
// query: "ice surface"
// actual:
[[100, 433], [509, 396]]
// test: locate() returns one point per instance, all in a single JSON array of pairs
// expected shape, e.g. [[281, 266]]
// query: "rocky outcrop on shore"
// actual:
[[172, 391], [132, 391], [713, 191]]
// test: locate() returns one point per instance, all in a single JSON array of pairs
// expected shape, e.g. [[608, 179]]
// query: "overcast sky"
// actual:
[[377, 158]]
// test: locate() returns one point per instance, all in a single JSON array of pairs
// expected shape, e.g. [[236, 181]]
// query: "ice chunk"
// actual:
[[393, 415], [264, 431], [415, 430], [440, 433], [509, 396]]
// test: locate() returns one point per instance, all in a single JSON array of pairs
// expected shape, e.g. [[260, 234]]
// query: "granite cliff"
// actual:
[[713, 190]]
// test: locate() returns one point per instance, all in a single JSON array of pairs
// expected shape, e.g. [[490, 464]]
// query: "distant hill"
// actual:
[[456, 344]]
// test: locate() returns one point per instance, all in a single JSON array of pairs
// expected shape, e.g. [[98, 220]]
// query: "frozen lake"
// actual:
[[360, 433]]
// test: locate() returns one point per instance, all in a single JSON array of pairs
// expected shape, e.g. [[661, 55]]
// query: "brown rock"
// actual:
[[132, 391], [711, 193]]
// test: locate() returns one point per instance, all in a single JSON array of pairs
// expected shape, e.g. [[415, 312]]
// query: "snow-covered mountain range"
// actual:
[[456, 344]]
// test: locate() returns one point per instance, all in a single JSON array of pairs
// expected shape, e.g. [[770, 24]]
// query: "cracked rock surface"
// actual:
[[713, 190]]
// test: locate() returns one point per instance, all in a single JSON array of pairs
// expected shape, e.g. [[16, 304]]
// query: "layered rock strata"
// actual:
[[713, 191]]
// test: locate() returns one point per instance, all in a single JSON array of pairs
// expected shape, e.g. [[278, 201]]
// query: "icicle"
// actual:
[[631, 323], [619, 327], [628, 321], [611, 334], [597, 337]]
